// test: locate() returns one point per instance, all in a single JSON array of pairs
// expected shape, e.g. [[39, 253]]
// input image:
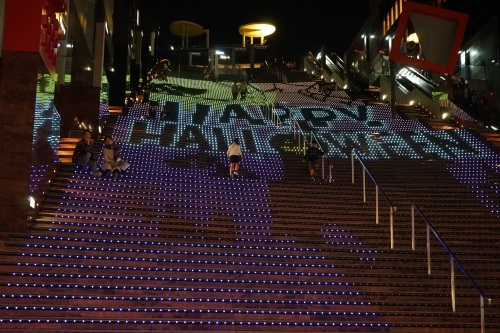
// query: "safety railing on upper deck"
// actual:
[[453, 259]]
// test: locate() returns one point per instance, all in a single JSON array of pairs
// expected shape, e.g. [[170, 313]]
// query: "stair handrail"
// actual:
[[392, 207], [324, 157], [275, 116], [453, 261], [298, 133], [270, 112]]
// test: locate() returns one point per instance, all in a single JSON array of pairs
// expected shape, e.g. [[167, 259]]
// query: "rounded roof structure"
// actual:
[[186, 29], [258, 29]]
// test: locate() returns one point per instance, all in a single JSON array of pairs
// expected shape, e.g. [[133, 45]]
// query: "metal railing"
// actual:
[[392, 207], [275, 116], [268, 106], [300, 135], [453, 259], [269, 111], [323, 157]]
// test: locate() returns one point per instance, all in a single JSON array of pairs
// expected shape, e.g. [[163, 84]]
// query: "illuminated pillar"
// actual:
[[100, 36], [392, 73], [77, 101]]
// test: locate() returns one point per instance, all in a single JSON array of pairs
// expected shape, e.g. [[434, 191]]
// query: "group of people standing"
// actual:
[[239, 89]]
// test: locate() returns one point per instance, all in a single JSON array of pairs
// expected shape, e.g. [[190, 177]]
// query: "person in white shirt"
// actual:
[[235, 155], [111, 158]]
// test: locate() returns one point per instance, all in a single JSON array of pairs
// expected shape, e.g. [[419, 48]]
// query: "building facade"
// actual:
[[61, 60]]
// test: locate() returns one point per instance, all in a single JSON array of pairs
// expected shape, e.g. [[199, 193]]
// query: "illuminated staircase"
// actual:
[[175, 244]]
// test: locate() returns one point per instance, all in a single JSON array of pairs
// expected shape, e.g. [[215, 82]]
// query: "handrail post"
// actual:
[[364, 185], [481, 305], [391, 225], [452, 284], [323, 167], [376, 204], [330, 167], [352, 166], [412, 227], [428, 250]]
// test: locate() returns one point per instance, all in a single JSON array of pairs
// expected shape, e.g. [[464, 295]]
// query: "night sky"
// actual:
[[332, 24]]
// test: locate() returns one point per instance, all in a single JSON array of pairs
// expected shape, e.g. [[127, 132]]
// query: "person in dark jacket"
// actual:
[[243, 89], [83, 154], [312, 157]]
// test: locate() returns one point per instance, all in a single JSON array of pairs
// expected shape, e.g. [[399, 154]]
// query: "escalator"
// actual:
[[330, 70], [411, 79]]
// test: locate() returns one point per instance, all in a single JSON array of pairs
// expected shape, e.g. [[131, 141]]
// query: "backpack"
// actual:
[[312, 154]]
